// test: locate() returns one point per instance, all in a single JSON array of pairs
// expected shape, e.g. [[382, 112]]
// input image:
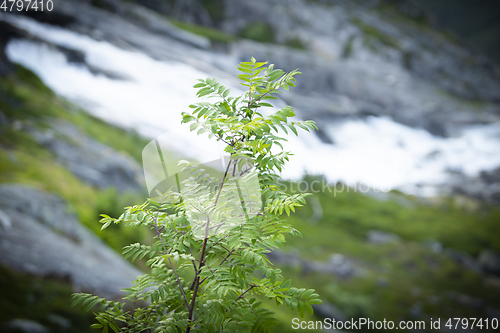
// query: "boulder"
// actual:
[[90, 160], [338, 265], [463, 259], [45, 239], [25, 326], [489, 262], [381, 237], [328, 310]]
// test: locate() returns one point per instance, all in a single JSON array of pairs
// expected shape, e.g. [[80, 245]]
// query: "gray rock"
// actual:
[[489, 262], [288, 259], [90, 160], [436, 247], [493, 313], [45, 239], [485, 186], [5, 221], [7, 32], [338, 265], [416, 310], [465, 299], [381, 237], [27, 326], [59, 321], [463, 259], [341, 266], [328, 310], [355, 62], [3, 120]]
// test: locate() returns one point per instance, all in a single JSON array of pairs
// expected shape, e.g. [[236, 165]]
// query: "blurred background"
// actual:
[[404, 223]]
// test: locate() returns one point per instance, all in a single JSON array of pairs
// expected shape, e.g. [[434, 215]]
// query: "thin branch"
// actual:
[[196, 279], [230, 253], [222, 183], [169, 260], [243, 293]]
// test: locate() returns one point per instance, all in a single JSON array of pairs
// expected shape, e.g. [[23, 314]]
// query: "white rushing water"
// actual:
[[376, 152]]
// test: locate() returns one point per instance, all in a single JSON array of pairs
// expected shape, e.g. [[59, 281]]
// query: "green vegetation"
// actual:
[[401, 276], [44, 300], [390, 10], [215, 35], [208, 260], [215, 9], [348, 47], [259, 31], [372, 34], [397, 277], [26, 101], [295, 43]]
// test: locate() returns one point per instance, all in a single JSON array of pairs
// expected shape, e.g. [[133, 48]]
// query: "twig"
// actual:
[[169, 260]]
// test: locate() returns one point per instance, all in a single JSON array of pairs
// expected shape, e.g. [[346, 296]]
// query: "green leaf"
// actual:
[[302, 308], [193, 126], [309, 309]]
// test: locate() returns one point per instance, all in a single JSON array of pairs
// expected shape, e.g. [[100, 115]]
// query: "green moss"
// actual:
[[215, 9], [391, 11], [125, 141], [348, 47], [102, 4], [295, 43], [259, 31], [32, 79], [36, 298], [24, 98], [213, 34], [372, 34]]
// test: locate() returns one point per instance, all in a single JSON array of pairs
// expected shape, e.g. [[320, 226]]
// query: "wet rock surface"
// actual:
[[485, 186]]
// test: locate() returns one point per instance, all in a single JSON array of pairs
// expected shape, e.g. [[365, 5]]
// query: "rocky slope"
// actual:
[[357, 61], [56, 177], [41, 237]]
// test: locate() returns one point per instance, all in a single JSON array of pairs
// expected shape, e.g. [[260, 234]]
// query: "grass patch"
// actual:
[[399, 277], [422, 22], [26, 97], [372, 34], [27, 100], [295, 43], [215, 9], [259, 31], [215, 35], [40, 299]]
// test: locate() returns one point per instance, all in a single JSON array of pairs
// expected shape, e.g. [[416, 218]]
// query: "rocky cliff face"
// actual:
[[93, 162], [357, 59]]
